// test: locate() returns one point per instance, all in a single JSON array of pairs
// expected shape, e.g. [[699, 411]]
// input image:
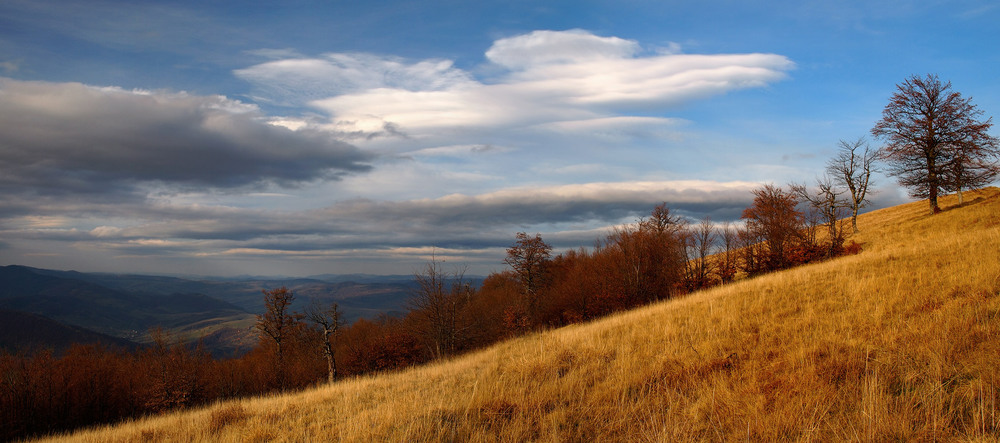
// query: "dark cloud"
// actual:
[[73, 139]]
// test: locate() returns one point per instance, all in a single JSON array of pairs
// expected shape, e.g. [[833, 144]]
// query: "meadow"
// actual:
[[898, 342]]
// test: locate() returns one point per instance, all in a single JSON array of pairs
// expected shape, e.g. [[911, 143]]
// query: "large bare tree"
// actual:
[[935, 140], [852, 168]]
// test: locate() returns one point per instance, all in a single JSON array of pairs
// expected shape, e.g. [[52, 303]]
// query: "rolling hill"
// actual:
[[219, 311], [900, 342]]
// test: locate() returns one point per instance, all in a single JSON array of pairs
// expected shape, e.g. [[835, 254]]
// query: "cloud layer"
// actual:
[[471, 228]]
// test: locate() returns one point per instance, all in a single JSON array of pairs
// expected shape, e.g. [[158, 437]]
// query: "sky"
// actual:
[[301, 138]]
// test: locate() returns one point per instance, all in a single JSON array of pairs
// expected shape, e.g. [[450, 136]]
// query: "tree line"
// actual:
[[934, 142]]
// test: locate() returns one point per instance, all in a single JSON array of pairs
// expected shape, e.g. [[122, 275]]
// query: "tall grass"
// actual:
[[899, 342]]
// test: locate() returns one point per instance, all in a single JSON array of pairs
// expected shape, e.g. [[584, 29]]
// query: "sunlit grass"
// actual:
[[899, 342]]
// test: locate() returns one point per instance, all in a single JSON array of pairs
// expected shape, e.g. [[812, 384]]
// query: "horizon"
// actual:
[[229, 139]]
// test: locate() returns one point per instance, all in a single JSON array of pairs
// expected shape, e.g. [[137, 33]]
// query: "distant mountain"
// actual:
[[220, 311], [74, 299], [358, 295], [26, 332]]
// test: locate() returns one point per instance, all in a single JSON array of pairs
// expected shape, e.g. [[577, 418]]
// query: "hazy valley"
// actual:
[[116, 309]]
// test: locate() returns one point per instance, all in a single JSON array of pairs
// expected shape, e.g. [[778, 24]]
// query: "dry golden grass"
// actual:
[[900, 342]]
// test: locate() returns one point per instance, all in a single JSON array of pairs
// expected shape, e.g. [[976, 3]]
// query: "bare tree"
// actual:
[[277, 323], [438, 304], [934, 138], [968, 172], [729, 238], [699, 241], [852, 168], [329, 319], [826, 202]]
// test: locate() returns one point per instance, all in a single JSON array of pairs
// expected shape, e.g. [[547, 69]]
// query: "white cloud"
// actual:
[[296, 80], [558, 47], [551, 77]]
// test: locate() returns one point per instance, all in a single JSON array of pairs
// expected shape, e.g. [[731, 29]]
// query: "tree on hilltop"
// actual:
[[935, 139]]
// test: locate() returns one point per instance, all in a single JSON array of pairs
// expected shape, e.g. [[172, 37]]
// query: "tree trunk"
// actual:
[[933, 200]]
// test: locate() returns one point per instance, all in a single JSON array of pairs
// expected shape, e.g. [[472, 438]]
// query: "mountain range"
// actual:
[[42, 308]]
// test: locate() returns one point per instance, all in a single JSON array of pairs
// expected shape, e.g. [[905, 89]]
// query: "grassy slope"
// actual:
[[899, 342]]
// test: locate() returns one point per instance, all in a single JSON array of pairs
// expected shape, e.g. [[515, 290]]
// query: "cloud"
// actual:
[[74, 139], [558, 47], [363, 222], [392, 236], [296, 80], [546, 77]]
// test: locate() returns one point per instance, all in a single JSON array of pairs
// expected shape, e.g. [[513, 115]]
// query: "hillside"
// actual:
[[25, 332], [69, 298], [899, 342]]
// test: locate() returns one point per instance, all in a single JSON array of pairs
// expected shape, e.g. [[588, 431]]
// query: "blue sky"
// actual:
[[302, 138]]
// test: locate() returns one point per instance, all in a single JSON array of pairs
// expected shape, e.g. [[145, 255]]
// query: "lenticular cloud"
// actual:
[[546, 77]]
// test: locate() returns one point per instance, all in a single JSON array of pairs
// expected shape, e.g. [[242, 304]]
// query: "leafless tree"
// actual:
[[277, 323], [438, 304], [852, 168], [729, 238], [699, 241], [826, 203], [935, 139], [329, 319], [968, 172]]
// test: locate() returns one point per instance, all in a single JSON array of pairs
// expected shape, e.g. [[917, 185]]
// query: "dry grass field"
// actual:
[[900, 342]]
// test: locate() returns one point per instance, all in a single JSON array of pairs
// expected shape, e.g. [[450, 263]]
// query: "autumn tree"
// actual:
[[176, 372], [935, 140], [329, 319], [529, 258], [438, 304], [773, 225], [277, 324], [852, 168], [647, 258]]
